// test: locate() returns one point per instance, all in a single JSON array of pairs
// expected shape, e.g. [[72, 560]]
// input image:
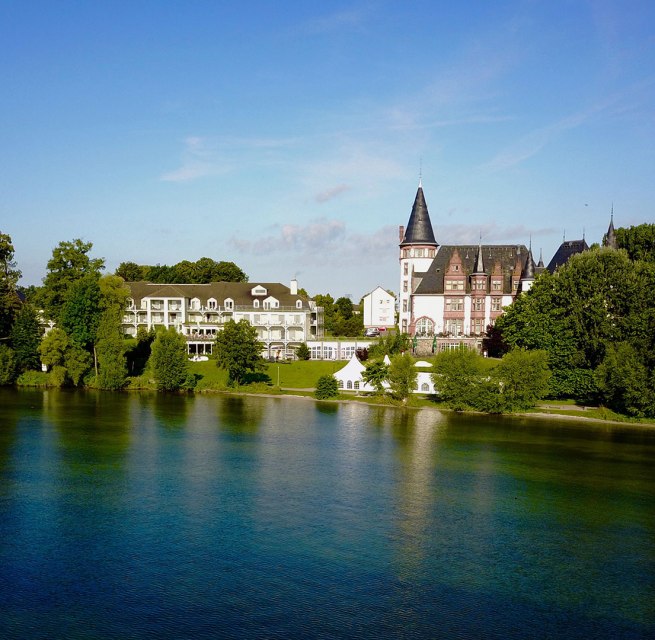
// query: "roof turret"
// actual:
[[527, 273], [610, 237], [419, 228], [479, 263]]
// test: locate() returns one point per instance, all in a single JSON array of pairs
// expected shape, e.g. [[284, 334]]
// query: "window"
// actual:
[[418, 253], [431, 253], [515, 285], [211, 303], [404, 306], [478, 304], [496, 304], [195, 303], [228, 303], [405, 253], [349, 384], [454, 285], [479, 285], [255, 303], [405, 269], [455, 267], [454, 304], [356, 385], [478, 326], [298, 304], [424, 327], [130, 303], [404, 286], [340, 384], [425, 387], [496, 285], [404, 326], [454, 326]]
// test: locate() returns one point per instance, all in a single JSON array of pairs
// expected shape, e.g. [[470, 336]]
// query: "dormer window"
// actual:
[[258, 291], [130, 303], [228, 303], [298, 304], [195, 303], [255, 304], [211, 303], [271, 303]]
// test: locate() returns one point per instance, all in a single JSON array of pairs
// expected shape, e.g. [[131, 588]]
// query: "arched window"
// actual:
[[425, 387], [195, 303], [424, 327], [298, 304], [350, 384], [255, 303], [340, 384]]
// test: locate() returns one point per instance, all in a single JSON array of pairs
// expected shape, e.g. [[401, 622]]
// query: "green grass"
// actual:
[[301, 374]]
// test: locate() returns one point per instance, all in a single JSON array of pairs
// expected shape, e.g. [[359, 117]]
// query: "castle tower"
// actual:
[[418, 248], [527, 273]]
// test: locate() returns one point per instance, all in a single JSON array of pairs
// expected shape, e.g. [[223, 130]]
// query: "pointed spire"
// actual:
[[541, 259], [610, 237], [479, 263], [419, 228]]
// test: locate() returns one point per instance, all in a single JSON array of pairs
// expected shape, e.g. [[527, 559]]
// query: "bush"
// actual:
[[326, 387], [303, 352], [33, 379]]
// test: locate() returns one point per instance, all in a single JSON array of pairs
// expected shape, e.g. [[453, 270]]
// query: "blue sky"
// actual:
[[289, 136]]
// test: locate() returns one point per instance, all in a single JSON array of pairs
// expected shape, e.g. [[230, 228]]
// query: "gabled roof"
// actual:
[[239, 292], [503, 256], [567, 249], [419, 228]]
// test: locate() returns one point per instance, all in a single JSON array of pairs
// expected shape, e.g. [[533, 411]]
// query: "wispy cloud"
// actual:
[[491, 233], [328, 238], [198, 160], [330, 194]]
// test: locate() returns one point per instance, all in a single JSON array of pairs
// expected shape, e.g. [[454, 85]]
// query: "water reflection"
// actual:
[[142, 516]]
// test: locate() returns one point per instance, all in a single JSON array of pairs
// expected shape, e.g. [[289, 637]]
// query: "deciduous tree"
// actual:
[[402, 376], [25, 338], [169, 360], [238, 351]]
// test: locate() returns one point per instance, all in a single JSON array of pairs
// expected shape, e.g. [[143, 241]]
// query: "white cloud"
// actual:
[[330, 194], [199, 159]]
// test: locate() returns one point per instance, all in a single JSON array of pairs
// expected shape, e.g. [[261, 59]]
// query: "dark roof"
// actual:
[[567, 249], [506, 256], [609, 239], [479, 261], [419, 228], [528, 268], [238, 292]]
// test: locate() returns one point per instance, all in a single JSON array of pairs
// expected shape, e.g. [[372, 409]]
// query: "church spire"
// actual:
[[419, 228]]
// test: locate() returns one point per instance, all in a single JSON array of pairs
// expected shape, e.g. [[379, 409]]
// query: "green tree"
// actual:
[[596, 299], [625, 383], [9, 276], [8, 369], [110, 348], [461, 381], [80, 312], [69, 263], [238, 351], [130, 272], [77, 362], [53, 347], [522, 378], [402, 376], [638, 241], [375, 374], [139, 354], [303, 352], [25, 339], [169, 360], [326, 388]]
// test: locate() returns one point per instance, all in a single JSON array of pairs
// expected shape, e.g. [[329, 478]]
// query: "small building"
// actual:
[[379, 307]]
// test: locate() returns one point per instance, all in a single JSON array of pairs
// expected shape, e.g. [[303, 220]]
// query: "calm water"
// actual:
[[225, 517]]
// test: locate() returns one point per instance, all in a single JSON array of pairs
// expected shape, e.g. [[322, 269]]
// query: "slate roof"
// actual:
[[239, 292], [567, 249], [419, 228], [506, 255]]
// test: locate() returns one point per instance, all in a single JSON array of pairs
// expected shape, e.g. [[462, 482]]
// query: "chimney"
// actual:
[[293, 287], [401, 232]]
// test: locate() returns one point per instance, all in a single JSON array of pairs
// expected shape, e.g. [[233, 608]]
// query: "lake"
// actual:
[[153, 516]]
